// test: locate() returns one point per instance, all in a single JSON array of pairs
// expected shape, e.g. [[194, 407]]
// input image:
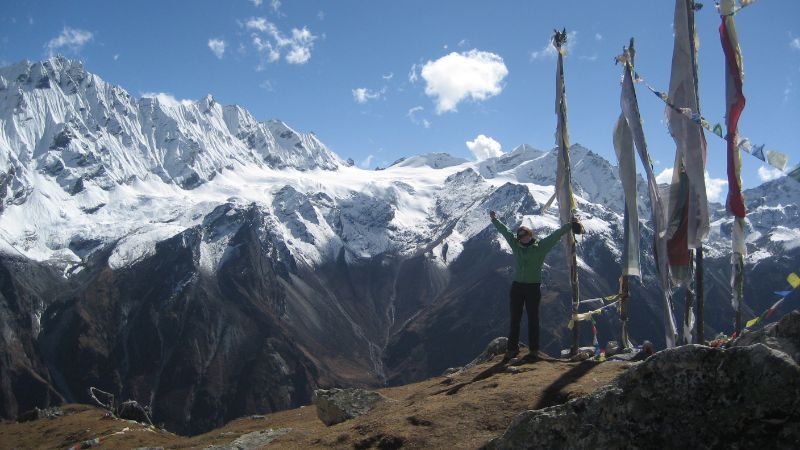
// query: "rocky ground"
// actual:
[[442, 412], [743, 394]]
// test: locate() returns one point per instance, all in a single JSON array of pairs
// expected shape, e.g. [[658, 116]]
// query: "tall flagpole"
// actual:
[[566, 202], [699, 295], [735, 101], [688, 205], [623, 146], [628, 132]]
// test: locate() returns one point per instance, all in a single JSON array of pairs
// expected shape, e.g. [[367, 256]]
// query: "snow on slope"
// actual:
[[83, 163]]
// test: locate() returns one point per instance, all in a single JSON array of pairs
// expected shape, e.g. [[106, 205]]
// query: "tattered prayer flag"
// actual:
[[631, 128], [735, 102], [563, 188], [752, 322], [777, 160], [718, 130], [691, 208], [793, 279]]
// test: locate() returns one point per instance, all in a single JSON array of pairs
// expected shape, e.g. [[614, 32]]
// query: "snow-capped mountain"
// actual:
[[210, 265]]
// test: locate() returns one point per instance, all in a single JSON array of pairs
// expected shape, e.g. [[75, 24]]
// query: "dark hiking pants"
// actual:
[[526, 295]]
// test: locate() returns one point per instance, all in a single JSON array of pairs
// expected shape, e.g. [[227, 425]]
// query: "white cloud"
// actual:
[[266, 48], [217, 47], [167, 99], [787, 91], [276, 5], [301, 43], [321, 15], [298, 46], [484, 147], [413, 77], [412, 115], [665, 176], [366, 162], [463, 43], [549, 51], [389, 76], [598, 37], [116, 56], [457, 76], [769, 173], [257, 3], [71, 38], [715, 188], [363, 95], [257, 23], [795, 44]]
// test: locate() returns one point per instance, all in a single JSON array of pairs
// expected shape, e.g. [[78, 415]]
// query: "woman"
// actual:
[[526, 288]]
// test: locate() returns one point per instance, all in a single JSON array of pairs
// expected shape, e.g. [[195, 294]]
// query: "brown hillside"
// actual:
[[443, 412]]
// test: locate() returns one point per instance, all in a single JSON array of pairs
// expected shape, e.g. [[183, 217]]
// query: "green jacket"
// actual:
[[531, 258]]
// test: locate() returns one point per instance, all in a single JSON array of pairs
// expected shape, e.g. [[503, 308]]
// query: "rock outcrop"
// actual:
[[783, 335], [688, 397], [337, 405]]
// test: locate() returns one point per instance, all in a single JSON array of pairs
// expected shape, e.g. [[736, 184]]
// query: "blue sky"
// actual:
[[378, 80]]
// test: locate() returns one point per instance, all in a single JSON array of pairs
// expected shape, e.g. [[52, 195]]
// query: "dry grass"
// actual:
[[442, 412]]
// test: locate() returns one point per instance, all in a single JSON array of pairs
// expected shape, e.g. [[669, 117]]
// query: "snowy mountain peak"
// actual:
[[63, 122], [432, 160]]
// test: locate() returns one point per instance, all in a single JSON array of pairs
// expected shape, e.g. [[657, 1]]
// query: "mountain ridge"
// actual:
[[108, 255]]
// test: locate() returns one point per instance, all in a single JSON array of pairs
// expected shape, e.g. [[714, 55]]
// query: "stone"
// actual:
[[37, 413], [688, 397], [337, 405], [783, 335], [252, 441], [612, 348]]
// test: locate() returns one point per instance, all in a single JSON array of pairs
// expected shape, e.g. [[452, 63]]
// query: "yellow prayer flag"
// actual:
[[793, 279], [752, 322]]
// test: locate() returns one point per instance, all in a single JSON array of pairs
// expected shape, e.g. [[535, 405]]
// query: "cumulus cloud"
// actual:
[[167, 99], [716, 189], [795, 44], [412, 115], [72, 39], [484, 147], [297, 46], [276, 5], [363, 95], [549, 51], [217, 47], [769, 173], [455, 77], [257, 3], [665, 176]]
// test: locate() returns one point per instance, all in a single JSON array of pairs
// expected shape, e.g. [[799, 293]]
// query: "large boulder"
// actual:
[[783, 335], [337, 405], [688, 397]]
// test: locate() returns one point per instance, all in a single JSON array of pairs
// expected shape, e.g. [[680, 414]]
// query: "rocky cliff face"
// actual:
[[209, 265]]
